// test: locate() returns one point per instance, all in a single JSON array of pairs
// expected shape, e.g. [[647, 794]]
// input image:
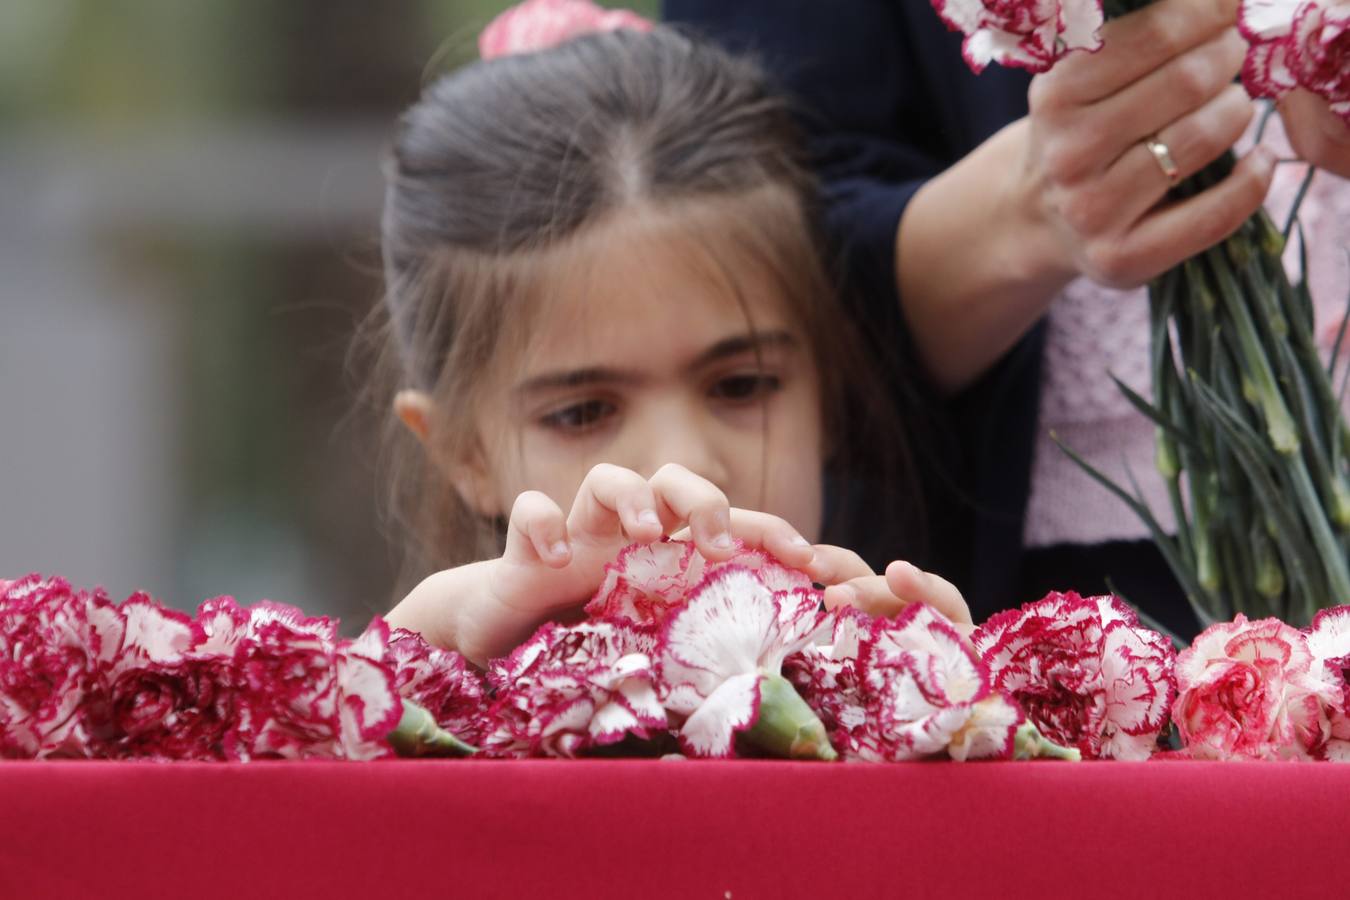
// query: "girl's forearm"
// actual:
[[976, 266]]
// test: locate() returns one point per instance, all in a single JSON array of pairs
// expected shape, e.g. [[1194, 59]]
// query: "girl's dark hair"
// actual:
[[502, 164]]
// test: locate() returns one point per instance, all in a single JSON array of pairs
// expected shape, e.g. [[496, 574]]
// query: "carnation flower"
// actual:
[[306, 694], [1029, 34], [1298, 44], [928, 694], [540, 24], [1252, 690], [1329, 643], [647, 581], [181, 710], [722, 656], [54, 645], [82, 676], [440, 681], [828, 676], [153, 700], [1084, 671], [571, 689]]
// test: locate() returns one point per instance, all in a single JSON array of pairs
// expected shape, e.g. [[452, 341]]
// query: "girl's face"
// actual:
[[642, 355]]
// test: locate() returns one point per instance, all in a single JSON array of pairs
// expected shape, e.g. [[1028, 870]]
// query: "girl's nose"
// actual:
[[676, 434]]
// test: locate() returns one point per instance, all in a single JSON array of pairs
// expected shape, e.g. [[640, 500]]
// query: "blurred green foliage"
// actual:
[[274, 490], [109, 61]]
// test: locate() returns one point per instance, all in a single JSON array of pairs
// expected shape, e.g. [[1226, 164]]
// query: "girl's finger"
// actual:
[[910, 584], [685, 498], [764, 531], [613, 502], [870, 593], [537, 531], [836, 565]]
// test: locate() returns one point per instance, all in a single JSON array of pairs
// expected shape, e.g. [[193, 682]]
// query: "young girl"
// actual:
[[610, 321]]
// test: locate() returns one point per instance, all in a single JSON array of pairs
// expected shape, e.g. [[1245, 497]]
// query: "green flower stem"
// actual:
[[418, 734], [1029, 743], [1250, 437], [786, 726], [1256, 367], [1269, 581]]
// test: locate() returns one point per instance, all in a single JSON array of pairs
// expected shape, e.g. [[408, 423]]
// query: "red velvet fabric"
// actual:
[[636, 828]]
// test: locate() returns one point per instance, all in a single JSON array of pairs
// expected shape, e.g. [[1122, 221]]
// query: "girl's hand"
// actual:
[[1167, 72], [1316, 133], [850, 582], [554, 562]]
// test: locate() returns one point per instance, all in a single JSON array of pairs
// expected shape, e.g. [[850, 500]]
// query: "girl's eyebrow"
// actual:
[[575, 378], [744, 343], [727, 347]]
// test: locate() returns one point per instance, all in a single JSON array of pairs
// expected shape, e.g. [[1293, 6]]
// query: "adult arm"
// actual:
[[985, 227]]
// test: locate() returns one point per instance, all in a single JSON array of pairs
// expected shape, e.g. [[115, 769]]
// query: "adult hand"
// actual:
[[1316, 133], [1072, 189], [1165, 73]]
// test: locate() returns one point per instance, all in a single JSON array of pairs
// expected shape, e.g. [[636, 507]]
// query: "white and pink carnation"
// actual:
[[440, 681], [1028, 34], [828, 676], [540, 24], [306, 694], [55, 646], [155, 699], [921, 692], [1253, 690], [718, 648], [1084, 671], [1298, 44], [1329, 643], [568, 690], [648, 581]]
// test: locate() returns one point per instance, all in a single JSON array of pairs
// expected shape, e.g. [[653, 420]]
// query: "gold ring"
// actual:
[[1163, 156]]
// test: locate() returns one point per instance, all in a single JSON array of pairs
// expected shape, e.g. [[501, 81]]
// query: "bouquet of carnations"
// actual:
[[1251, 438], [675, 657]]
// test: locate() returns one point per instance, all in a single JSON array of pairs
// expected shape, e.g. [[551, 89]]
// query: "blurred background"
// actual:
[[189, 202]]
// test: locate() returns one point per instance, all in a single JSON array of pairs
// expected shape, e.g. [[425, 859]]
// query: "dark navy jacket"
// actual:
[[888, 102]]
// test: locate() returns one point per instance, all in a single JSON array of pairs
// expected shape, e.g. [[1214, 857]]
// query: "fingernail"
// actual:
[[846, 595], [722, 540], [800, 541], [649, 517], [558, 549]]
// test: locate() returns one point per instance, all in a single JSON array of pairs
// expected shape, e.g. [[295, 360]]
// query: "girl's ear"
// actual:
[[413, 409], [471, 477]]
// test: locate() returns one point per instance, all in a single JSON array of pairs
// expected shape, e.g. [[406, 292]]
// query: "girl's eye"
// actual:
[[745, 388], [579, 418]]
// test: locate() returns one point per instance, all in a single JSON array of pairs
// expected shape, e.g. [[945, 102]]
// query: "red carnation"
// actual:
[[568, 690], [1085, 672], [54, 645]]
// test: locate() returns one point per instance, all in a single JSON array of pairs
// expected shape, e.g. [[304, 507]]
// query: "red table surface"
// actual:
[[648, 828]]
